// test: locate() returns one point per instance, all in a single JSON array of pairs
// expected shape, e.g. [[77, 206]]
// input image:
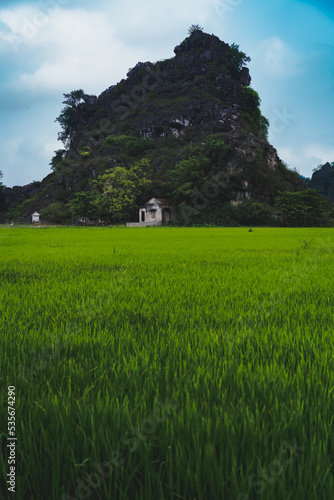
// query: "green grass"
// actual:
[[191, 363]]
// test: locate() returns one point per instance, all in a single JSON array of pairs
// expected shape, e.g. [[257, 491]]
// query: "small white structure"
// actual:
[[156, 212], [35, 217]]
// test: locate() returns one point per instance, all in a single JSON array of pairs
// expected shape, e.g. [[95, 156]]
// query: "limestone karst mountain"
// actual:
[[192, 117]]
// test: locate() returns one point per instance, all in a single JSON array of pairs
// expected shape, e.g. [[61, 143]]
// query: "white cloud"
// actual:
[[68, 49], [10, 148], [55, 46], [306, 158], [278, 59], [322, 152], [77, 49], [93, 49]]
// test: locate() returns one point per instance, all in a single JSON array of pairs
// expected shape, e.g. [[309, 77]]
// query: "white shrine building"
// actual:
[[156, 212]]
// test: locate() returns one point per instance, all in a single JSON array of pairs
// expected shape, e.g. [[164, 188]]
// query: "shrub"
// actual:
[[303, 208], [56, 213], [130, 145], [254, 214]]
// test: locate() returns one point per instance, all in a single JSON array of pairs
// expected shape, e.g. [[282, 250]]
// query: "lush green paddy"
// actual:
[[168, 363]]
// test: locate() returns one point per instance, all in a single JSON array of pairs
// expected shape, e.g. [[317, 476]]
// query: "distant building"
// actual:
[[35, 217], [156, 212]]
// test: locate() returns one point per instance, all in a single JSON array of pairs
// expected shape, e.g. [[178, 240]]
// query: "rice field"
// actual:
[[167, 363]]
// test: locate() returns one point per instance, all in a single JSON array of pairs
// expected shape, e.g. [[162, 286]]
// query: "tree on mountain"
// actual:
[[58, 157], [187, 178], [56, 213], [237, 59], [264, 126], [67, 115], [85, 206], [193, 28], [118, 189]]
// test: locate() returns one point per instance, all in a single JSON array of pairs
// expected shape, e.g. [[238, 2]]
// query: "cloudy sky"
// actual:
[[51, 47]]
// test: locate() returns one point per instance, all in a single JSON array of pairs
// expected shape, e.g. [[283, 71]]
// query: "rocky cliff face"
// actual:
[[323, 180], [165, 112], [193, 89]]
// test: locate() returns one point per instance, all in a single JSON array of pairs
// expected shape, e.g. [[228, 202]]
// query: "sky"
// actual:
[[51, 47]]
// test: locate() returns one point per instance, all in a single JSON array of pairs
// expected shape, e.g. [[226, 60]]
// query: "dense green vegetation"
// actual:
[[199, 172], [177, 363], [111, 197], [300, 209], [304, 208]]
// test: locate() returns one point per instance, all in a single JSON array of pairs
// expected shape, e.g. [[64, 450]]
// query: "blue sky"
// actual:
[[51, 47]]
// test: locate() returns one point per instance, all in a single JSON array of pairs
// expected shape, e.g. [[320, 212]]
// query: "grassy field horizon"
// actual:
[[168, 363]]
